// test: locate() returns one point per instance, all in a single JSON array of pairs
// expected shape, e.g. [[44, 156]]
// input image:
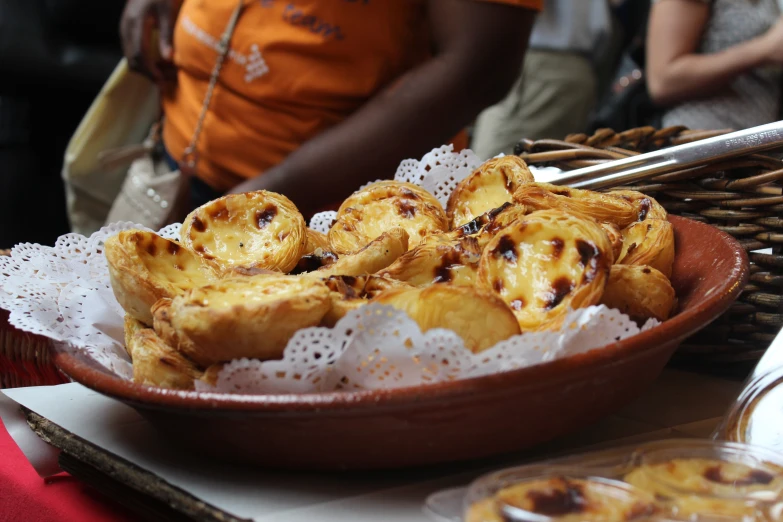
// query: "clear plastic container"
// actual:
[[672, 480]]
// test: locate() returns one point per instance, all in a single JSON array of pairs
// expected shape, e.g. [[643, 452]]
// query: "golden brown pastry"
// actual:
[[210, 375], [377, 255], [545, 263], [640, 292], [456, 308], [370, 212], [144, 267], [431, 262], [317, 242], [487, 188], [131, 327], [341, 305], [615, 236], [251, 317], [155, 363], [651, 243], [604, 208], [705, 486], [257, 229], [646, 206], [567, 500]]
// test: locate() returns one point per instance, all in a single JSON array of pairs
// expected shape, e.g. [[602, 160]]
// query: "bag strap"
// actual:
[[190, 155]]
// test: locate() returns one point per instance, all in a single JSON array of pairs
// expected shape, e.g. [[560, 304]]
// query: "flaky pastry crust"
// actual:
[[456, 308], [640, 292], [650, 243], [144, 267], [599, 206], [454, 262], [487, 188], [646, 207], [155, 363], [251, 317], [377, 255]]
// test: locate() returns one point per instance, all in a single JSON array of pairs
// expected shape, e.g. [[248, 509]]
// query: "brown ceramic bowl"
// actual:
[[445, 422]]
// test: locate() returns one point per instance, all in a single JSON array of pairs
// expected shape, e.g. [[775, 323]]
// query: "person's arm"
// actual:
[[675, 72], [479, 51]]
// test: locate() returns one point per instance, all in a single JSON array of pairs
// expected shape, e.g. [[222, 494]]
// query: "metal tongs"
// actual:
[[688, 155]]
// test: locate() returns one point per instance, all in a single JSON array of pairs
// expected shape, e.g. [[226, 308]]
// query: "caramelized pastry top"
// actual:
[[257, 229]]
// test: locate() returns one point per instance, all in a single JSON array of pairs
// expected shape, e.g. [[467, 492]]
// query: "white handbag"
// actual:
[[119, 119], [121, 129]]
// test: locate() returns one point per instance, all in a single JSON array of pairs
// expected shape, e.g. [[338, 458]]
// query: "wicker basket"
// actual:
[[24, 357], [741, 196]]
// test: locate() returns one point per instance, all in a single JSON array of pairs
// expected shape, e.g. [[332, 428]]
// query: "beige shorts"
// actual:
[[552, 97]]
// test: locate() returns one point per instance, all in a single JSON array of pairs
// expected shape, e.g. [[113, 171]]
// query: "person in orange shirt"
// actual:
[[317, 97]]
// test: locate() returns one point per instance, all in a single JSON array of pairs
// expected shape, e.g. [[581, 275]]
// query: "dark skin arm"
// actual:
[[479, 49]]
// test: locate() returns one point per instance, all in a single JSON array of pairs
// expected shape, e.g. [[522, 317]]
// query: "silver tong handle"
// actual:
[[694, 154]]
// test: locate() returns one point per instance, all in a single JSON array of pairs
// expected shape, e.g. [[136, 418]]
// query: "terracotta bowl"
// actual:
[[445, 422]]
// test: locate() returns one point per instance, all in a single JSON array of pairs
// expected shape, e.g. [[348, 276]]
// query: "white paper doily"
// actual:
[[63, 292]]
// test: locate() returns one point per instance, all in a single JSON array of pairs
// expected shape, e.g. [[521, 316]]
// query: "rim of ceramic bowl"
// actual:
[[672, 330]]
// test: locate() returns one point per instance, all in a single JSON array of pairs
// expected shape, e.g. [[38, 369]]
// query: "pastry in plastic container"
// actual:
[[672, 480]]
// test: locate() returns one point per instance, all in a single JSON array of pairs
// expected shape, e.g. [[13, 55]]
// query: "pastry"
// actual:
[[251, 317], [257, 229], [487, 188], [454, 262], [384, 205], [317, 242], [604, 208], [640, 292], [546, 263], [709, 487], [646, 207], [456, 308], [155, 363], [650, 243], [615, 236], [144, 267], [567, 500], [377, 255]]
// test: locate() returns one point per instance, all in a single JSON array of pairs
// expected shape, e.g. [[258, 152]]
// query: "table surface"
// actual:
[[679, 404]]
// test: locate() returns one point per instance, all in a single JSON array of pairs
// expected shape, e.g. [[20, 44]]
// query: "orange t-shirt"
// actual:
[[295, 68]]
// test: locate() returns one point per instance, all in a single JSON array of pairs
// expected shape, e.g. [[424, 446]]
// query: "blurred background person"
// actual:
[[557, 88], [317, 98], [715, 64], [54, 57]]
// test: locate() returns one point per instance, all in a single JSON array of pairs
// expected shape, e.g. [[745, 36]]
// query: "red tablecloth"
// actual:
[[24, 496]]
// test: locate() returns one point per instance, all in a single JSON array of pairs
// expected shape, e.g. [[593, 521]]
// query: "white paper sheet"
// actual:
[[297, 497], [243, 492]]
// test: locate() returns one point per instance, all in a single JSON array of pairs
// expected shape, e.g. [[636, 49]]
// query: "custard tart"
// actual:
[[646, 206], [640, 292], [454, 262], [384, 205], [707, 487], [456, 308], [251, 317], [650, 243], [599, 206], [377, 255], [317, 242], [565, 499], [256, 229], [144, 267], [155, 363], [546, 263], [487, 188]]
